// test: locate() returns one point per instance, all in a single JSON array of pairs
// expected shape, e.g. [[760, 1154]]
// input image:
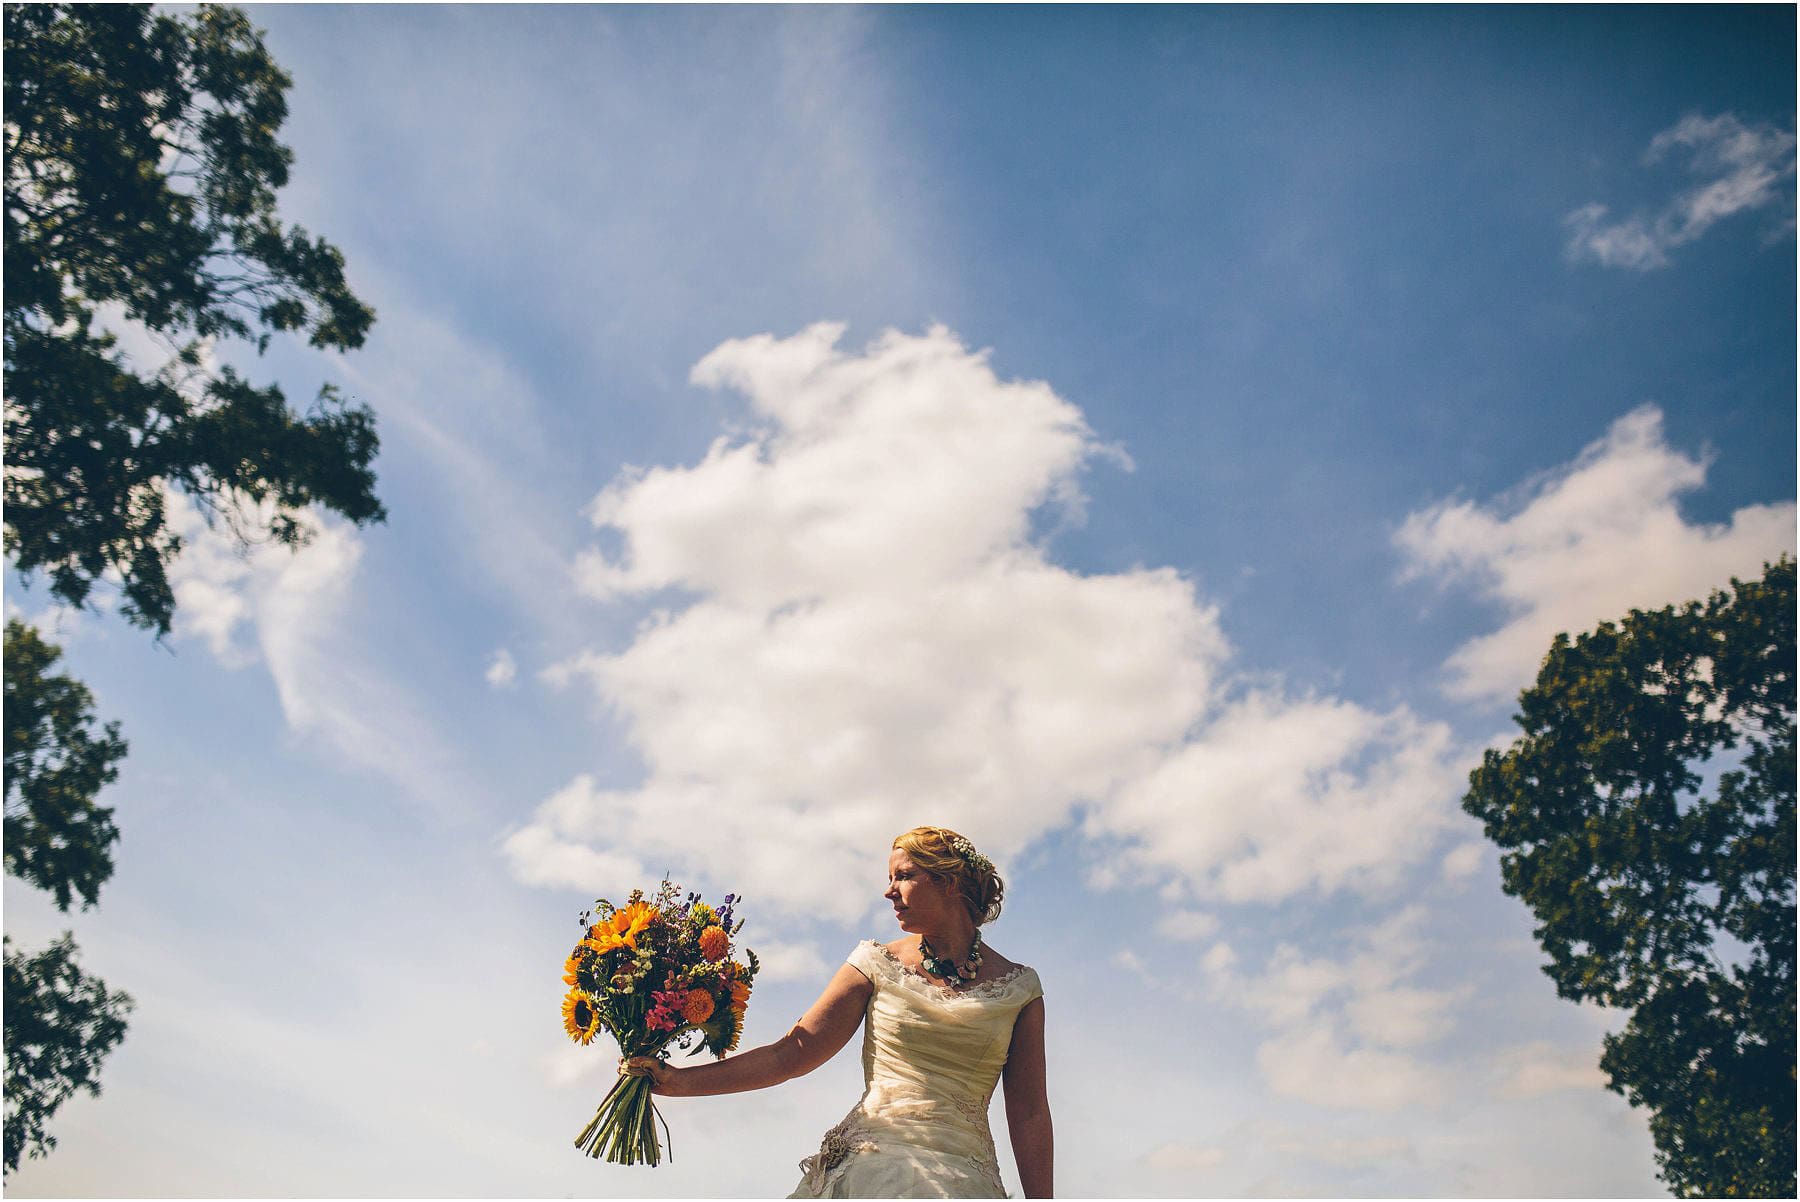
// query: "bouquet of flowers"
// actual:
[[652, 974]]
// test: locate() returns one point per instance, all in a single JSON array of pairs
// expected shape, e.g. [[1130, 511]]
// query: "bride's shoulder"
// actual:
[[905, 950], [1000, 962]]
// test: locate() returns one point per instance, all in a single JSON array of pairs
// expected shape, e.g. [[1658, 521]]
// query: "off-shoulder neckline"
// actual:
[[985, 988]]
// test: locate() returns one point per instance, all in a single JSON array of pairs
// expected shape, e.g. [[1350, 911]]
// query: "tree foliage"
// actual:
[[60, 1024], [58, 837], [1656, 894], [60, 1021], [141, 169], [142, 165]]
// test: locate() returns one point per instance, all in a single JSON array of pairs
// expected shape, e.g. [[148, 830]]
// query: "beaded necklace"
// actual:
[[949, 969]]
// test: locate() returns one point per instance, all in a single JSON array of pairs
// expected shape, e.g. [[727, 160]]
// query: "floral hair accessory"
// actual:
[[967, 851]]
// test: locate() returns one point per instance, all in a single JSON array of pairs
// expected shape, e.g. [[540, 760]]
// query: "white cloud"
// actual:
[[462, 403], [1533, 1069], [502, 671], [888, 473], [1276, 796], [291, 608], [551, 852], [878, 640], [1592, 541], [1186, 1158], [59, 623], [1186, 924], [1314, 1064], [1343, 1152], [1739, 167], [1341, 1029], [574, 1065], [1462, 861], [789, 962], [211, 579]]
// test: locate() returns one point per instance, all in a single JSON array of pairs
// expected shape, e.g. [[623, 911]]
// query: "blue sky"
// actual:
[[1155, 442]]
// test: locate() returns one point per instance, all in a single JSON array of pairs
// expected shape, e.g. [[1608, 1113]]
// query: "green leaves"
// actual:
[[60, 1024], [58, 837], [1634, 875], [142, 165], [142, 168]]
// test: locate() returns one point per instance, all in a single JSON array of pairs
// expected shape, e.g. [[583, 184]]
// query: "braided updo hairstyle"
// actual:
[[947, 855]]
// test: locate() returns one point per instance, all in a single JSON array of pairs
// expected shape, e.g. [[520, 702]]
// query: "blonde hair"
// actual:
[[947, 855]]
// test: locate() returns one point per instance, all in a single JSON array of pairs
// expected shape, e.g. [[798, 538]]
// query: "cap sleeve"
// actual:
[[865, 957], [1032, 987]]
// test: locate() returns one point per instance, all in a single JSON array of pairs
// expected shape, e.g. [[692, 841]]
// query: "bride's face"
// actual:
[[921, 904]]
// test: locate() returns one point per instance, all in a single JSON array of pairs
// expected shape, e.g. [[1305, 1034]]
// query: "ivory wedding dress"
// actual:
[[931, 1058]]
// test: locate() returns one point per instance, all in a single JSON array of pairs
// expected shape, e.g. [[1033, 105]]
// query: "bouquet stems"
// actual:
[[623, 1129]]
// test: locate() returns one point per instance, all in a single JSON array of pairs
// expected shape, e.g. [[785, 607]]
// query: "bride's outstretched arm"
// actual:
[[816, 1038], [1028, 1103]]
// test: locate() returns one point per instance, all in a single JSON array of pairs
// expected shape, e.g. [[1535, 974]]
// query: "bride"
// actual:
[[947, 1019]]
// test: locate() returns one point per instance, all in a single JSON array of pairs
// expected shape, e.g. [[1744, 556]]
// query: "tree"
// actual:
[[60, 1021], [60, 1024], [57, 837], [1640, 881], [141, 171]]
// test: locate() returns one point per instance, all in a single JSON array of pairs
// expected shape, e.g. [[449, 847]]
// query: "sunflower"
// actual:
[[622, 929], [571, 966], [699, 1006], [631, 923], [714, 943], [581, 1017]]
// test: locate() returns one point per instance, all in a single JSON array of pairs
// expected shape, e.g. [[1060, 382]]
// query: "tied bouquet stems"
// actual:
[[653, 974]]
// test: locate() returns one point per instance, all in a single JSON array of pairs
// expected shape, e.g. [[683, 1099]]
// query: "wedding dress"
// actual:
[[931, 1058]]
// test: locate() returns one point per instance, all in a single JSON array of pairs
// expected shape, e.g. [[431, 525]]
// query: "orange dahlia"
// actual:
[[581, 1017], [714, 943], [699, 1006]]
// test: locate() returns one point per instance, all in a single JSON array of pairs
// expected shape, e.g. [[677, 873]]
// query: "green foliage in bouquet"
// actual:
[[653, 974]]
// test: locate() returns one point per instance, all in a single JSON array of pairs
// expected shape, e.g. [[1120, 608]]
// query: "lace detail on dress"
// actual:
[[915, 978], [972, 1110], [850, 1135], [975, 1112]]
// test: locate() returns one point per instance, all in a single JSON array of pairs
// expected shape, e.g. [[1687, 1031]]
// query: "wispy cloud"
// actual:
[[502, 671], [1343, 1030], [876, 625], [1740, 167], [1277, 796], [465, 406], [1187, 1157], [1588, 542], [1186, 924], [1533, 1069], [292, 610]]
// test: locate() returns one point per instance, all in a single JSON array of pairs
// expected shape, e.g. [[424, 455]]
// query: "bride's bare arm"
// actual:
[[1028, 1103], [816, 1038]]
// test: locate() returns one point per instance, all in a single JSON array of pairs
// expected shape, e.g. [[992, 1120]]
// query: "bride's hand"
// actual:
[[663, 1076]]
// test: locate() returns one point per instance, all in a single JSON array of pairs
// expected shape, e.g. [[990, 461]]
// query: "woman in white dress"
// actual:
[[947, 1018]]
